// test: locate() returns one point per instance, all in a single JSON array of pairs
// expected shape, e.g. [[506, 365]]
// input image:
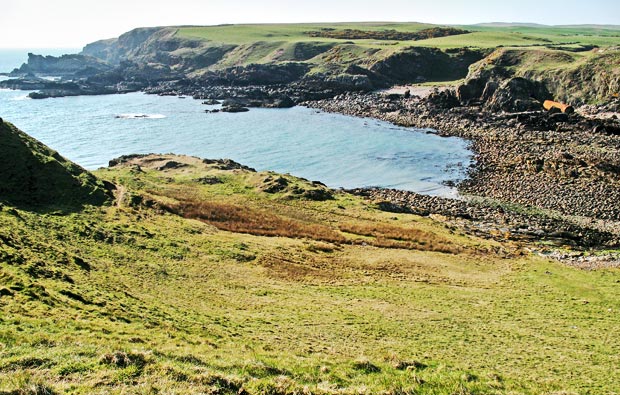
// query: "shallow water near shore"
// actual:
[[339, 150]]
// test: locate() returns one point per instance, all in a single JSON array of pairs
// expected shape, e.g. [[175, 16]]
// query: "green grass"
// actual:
[[579, 34], [131, 299], [245, 34], [481, 37]]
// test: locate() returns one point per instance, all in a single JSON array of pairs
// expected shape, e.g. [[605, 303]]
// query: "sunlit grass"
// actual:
[[135, 299]]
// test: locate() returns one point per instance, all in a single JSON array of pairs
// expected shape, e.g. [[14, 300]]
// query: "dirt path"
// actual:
[[120, 195]]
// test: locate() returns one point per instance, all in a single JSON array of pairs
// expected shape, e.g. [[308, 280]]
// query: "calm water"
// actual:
[[338, 150]]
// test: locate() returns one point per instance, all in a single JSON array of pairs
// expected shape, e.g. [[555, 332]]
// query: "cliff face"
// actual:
[[33, 175], [114, 50], [596, 79], [538, 74], [419, 64], [224, 63]]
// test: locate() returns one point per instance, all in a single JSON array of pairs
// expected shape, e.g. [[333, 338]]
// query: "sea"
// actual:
[[338, 150]]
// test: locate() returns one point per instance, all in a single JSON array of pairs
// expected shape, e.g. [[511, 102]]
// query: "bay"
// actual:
[[339, 150]]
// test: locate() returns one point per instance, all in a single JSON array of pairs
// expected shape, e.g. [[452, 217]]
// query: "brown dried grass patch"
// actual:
[[243, 219], [390, 236]]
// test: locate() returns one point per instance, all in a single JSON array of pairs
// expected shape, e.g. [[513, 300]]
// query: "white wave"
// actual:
[[20, 98], [140, 116]]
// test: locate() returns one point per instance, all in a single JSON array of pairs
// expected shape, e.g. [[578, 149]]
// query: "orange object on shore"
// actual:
[[565, 108]]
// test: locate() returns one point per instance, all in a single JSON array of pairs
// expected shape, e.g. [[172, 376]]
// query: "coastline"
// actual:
[[555, 165], [527, 184]]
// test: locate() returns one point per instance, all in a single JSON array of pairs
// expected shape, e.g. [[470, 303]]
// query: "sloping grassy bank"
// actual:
[[145, 296]]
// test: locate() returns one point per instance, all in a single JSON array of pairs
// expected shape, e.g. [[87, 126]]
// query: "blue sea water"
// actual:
[[339, 150]]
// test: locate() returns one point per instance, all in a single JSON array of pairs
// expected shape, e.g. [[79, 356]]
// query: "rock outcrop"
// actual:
[[517, 95], [75, 66], [511, 79]]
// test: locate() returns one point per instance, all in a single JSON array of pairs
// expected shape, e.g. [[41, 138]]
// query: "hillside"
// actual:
[[300, 62], [36, 176], [205, 276], [208, 52]]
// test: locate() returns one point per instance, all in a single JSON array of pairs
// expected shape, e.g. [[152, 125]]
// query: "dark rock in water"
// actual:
[[211, 102], [284, 102], [47, 88], [235, 108], [38, 95]]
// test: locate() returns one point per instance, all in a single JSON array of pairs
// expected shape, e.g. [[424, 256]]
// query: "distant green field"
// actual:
[[581, 35], [243, 34], [481, 36]]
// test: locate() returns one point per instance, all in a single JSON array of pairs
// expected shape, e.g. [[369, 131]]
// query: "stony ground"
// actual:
[[555, 175]]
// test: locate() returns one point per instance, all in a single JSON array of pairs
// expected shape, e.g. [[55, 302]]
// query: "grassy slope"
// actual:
[[162, 303], [34, 175]]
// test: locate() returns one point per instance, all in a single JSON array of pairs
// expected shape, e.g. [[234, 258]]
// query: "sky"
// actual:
[[74, 23]]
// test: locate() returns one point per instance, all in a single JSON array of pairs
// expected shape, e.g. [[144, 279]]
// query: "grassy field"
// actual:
[[244, 34], [480, 36], [131, 298]]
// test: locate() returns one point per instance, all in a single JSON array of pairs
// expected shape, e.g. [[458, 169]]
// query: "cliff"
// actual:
[[534, 75]]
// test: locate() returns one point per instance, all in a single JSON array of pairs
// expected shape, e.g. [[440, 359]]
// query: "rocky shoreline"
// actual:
[[539, 175]]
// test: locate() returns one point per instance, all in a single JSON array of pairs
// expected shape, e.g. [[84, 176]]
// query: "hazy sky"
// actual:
[[73, 23]]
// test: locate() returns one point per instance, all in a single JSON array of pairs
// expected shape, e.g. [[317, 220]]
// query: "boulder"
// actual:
[[518, 94], [235, 108], [443, 99]]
